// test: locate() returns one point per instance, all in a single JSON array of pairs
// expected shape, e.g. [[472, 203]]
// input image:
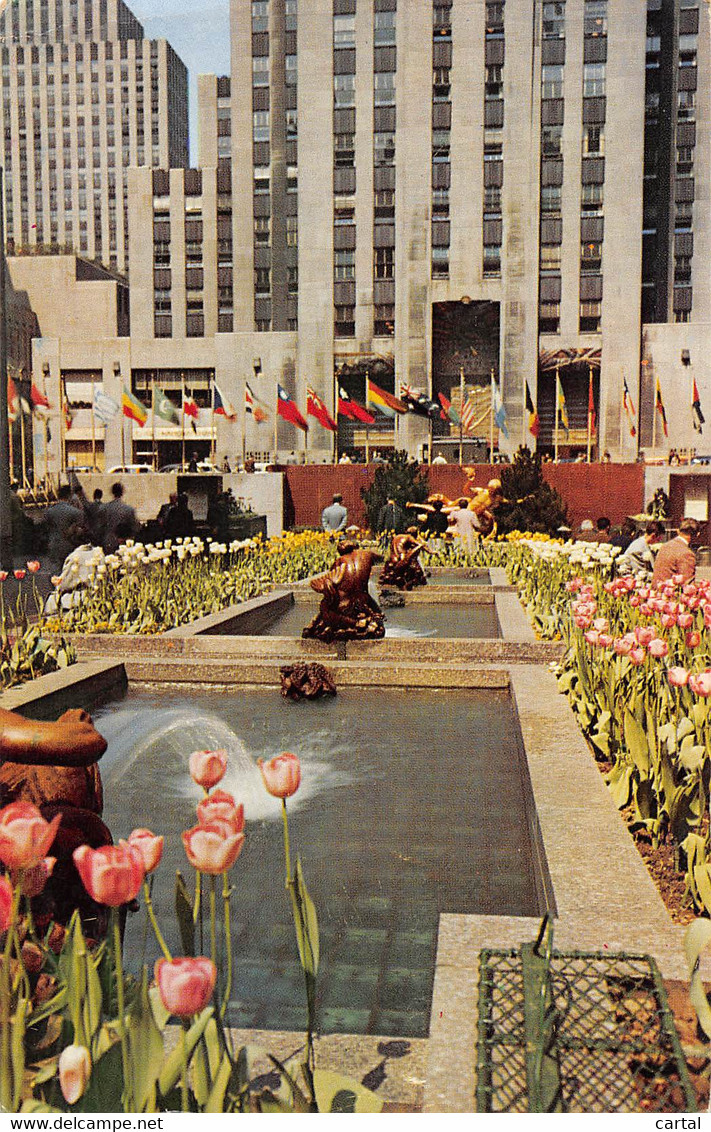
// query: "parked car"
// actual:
[[128, 469], [701, 459], [184, 469]]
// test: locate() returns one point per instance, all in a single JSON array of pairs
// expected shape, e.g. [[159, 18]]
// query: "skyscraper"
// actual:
[[84, 95]]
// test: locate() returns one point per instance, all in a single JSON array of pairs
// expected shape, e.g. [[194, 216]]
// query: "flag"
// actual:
[[629, 408], [448, 410], [251, 408], [13, 400], [347, 407], [418, 402], [221, 407], [133, 408], [190, 407], [385, 403], [288, 410], [469, 413], [561, 408], [164, 408], [534, 422], [105, 408], [498, 409], [316, 408], [592, 415], [25, 406], [697, 416], [660, 409], [38, 399]]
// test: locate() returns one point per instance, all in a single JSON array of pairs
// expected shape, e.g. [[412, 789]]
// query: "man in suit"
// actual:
[[677, 556]]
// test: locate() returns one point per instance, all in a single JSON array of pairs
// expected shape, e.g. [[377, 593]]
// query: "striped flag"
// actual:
[[351, 409], [534, 423], [592, 416], [251, 407], [221, 407], [134, 409], [697, 416], [448, 410], [660, 409], [629, 408], [469, 413], [316, 408], [386, 403], [561, 407]]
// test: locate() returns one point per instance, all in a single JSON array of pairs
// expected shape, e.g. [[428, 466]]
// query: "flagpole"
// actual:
[[461, 410], [590, 389], [557, 410], [23, 451], [182, 421], [654, 419], [244, 425], [123, 436], [213, 438], [367, 437], [276, 424], [153, 425], [335, 405], [491, 425], [93, 430]]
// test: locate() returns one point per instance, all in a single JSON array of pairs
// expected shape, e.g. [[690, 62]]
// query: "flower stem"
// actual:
[[184, 1075], [228, 942], [6, 1076], [154, 923], [287, 853], [213, 922], [123, 1037]]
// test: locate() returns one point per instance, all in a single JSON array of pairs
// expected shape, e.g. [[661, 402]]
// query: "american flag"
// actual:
[[469, 414]]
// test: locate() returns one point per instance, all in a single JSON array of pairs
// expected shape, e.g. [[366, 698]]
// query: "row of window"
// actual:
[[441, 141]]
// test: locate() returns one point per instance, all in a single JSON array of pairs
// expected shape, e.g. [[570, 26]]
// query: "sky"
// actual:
[[199, 30]]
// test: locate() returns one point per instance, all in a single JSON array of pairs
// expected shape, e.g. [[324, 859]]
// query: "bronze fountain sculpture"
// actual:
[[402, 568], [347, 611]]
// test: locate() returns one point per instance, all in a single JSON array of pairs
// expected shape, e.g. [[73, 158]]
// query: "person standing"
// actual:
[[95, 517], [391, 516], [465, 524], [334, 517], [677, 555], [64, 521], [116, 513]]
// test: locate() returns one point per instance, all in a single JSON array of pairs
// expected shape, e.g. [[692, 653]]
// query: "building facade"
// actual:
[[84, 96]]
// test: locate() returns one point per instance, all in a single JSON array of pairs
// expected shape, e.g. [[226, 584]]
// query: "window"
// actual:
[[344, 90], [262, 280], [494, 85], [261, 179], [684, 160], [595, 17], [440, 262], [441, 85], [593, 141], [193, 252], [551, 198], [344, 323], [384, 204], [260, 70], [492, 260], [262, 230], [292, 126], [384, 323], [686, 102], [383, 87], [593, 80], [290, 70], [552, 141], [344, 150], [592, 199], [550, 258], [494, 20], [551, 81], [440, 202], [260, 125], [384, 29], [343, 216], [591, 257], [682, 269], [590, 317], [292, 280], [290, 11], [161, 302], [549, 318], [440, 141], [492, 201], [384, 149], [343, 264], [344, 31], [553, 21], [260, 16], [384, 267], [292, 178], [292, 231]]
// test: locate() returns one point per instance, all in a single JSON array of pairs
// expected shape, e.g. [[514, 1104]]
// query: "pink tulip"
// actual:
[[25, 836], [701, 683], [212, 848], [678, 676], [34, 880], [111, 875], [592, 637], [185, 985], [692, 640], [3, 575], [149, 846], [221, 806], [282, 774], [685, 620], [208, 767], [601, 624], [604, 640], [573, 585], [583, 622], [635, 601], [33, 566], [644, 635], [621, 646], [668, 620], [74, 1072], [658, 648], [636, 656], [677, 579], [19, 574], [5, 904], [56, 579]]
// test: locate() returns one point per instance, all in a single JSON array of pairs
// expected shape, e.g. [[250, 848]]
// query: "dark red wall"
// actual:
[[589, 490]]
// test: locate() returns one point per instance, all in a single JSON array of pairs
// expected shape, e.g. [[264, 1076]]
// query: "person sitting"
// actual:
[[624, 535], [677, 556], [402, 568], [66, 526], [638, 558], [165, 509]]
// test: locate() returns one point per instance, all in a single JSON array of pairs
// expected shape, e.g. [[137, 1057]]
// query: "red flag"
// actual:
[[592, 417], [347, 407], [288, 409], [38, 399], [190, 407], [13, 401], [534, 421], [316, 408]]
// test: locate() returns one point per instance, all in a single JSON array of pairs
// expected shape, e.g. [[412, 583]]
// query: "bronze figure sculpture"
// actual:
[[347, 611], [402, 568], [306, 681]]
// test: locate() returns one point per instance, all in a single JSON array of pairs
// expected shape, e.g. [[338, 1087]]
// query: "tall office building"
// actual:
[[84, 96]]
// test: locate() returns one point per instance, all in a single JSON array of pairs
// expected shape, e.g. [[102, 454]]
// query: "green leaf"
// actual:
[[184, 912], [619, 782], [173, 1064], [335, 1093], [636, 743], [17, 1049], [306, 922], [696, 940], [216, 1100], [105, 1089], [145, 1043], [691, 756]]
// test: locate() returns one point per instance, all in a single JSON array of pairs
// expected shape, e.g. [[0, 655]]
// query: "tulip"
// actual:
[[635, 601], [621, 646], [19, 574], [668, 620], [207, 768], [111, 875], [678, 676], [25, 836], [221, 806], [700, 684], [282, 774], [592, 637], [185, 985], [149, 846], [685, 620], [693, 639], [601, 624], [33, 566], [5, 904], [677, 579], [74, 1072], [212, 848], [3, 575], [604, 640], [636, 656], [644, 635], [33, 880], [658, 648]]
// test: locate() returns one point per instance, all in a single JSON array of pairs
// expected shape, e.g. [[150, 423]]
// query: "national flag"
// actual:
[[660, 409], [385, 403], [469, 413], [561, 408], [498, 409], [448, 410], [133, 408], [105, 408], [697, 416], [629, 408], [316, 408], [251, 407], [347, 407], [164, 408], [418, 402], [288, 409], [13, 400], [592, 415], [25, 406], [221, 407], [534, 422], [190, 407], [37, 399]]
